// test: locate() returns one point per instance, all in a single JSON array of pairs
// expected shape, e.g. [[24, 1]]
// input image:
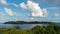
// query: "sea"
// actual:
[[23, 26]]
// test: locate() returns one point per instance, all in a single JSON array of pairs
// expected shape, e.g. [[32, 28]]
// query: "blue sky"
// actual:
[[30, 10]]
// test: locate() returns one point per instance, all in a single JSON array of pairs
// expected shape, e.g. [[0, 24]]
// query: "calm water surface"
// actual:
[[22, 26]]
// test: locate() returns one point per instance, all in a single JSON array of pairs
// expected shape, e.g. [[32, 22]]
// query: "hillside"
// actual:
[[24, 22]]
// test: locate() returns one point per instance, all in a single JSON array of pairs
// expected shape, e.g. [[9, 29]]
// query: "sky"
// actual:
[[30, 10]]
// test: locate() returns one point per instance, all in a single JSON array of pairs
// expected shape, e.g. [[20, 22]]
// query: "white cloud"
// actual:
[[35, 9], [9, 11], [56, 14], [22, 5], [45, 13], [3, 2]]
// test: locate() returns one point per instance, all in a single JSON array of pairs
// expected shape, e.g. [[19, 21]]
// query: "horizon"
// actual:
[[29, 10], [29, 21]]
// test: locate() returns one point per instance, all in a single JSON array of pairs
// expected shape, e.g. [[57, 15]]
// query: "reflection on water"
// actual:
[[22, 26]]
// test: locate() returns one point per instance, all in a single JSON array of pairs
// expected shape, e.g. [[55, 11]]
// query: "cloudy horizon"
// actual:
[[29, 10]]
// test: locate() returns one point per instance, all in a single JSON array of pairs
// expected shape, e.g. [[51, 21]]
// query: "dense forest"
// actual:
[[51, 29], [24, 22]]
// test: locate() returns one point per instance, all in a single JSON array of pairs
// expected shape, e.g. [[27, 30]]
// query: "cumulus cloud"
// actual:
[[45, 13], [9, 11], [22, 5], [35, 9]]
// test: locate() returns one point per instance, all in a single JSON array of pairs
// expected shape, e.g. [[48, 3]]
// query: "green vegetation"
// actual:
[[51, 29], [23, 22]]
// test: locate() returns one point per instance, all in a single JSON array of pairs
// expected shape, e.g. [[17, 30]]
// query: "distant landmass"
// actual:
[[24, 22]]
